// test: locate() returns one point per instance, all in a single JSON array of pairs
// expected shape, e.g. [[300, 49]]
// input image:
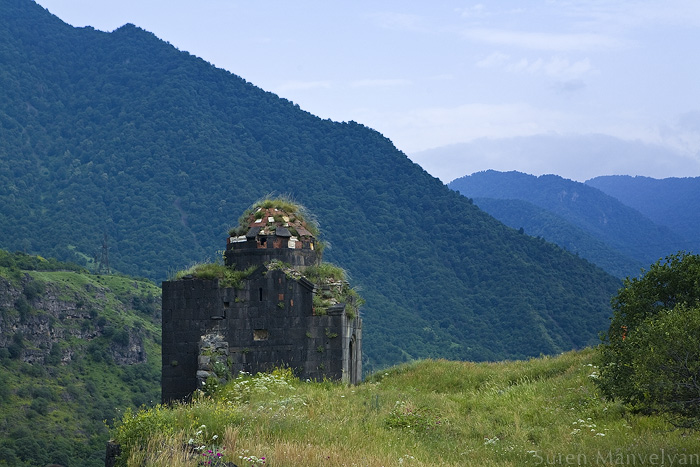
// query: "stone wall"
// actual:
[[268, 323]]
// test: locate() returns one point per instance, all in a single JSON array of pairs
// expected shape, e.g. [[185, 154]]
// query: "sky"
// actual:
[[442, 79]]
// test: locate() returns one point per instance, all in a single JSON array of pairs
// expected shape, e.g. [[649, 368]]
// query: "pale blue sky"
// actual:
[[432, 74]]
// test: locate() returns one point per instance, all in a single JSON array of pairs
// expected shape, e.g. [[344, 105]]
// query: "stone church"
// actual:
[[273, 303]]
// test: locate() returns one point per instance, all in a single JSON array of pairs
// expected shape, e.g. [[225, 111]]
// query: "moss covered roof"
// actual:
[[277, 216]]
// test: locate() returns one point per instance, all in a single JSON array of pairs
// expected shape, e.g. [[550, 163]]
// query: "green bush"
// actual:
[[33, 289], [667, 363], [121, 337], [23, 308], [650, 356], [227, 276]]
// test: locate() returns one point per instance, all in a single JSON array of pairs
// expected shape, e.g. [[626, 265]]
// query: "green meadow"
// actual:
[[544, 411]]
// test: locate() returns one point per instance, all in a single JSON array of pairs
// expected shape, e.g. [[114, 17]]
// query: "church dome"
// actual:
[[280, 228]]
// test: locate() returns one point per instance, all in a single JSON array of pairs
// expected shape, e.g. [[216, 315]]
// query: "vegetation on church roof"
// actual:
[[270, 213], [332, 286], [228, 277], [333, 289]]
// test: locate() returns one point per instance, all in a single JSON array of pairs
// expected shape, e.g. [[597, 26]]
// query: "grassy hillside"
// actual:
[[431, 412], [121, 133], [76, 349]]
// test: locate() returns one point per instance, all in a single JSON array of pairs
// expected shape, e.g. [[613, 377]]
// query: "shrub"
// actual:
[[649, 357], [133, 430], [227, 276], [121, 337], [22, 306], [33, 289], [667, 363], [17, 345]]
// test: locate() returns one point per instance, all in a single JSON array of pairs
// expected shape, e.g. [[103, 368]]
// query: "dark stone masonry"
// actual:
[[266, 321]]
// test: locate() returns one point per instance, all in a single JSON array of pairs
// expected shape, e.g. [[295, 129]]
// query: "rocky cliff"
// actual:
[[37, 316], [75, 350]]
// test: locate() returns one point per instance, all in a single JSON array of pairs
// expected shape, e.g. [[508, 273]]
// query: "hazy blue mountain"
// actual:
[[673, 202], [539, 222], [620, 227], [121, 133]]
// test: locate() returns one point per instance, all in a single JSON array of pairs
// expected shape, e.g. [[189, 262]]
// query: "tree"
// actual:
[[650, 356], [667, 370]]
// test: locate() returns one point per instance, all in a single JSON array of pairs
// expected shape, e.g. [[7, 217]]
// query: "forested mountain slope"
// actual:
[[636, 240], [672, 202], [539, 222], [75, 350], [122, 133]]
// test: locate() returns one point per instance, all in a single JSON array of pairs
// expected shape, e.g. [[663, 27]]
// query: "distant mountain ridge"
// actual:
[[121, 133], [672, 202], [587, 221]]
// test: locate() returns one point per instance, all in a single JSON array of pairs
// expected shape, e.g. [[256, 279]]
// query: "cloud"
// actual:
[[421, 128], [304, 85], [477, 11], [622, 14], [683, 134], [575, 156], [567, 87], [545, 41], [363, 83], [554, 67], [495, 60], [399, 21]]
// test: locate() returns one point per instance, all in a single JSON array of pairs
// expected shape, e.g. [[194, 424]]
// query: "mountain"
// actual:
[[122, 134], [539, 222], [568, 155], [618, 237], [74, 347], [671, 202]]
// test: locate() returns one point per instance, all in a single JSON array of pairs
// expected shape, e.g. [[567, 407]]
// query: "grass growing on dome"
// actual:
[[283, 203]]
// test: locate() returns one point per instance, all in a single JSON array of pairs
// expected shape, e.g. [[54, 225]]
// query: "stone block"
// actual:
[[204, 362]]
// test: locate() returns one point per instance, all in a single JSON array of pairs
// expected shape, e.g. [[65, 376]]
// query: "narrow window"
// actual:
[[260, 334], [261, 294]]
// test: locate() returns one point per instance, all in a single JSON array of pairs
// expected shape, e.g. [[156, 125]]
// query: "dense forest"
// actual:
[[667, 201], [122, 134], [539, 222], [576, 216]]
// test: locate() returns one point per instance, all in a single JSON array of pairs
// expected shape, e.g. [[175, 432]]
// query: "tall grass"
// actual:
[[544, 411]]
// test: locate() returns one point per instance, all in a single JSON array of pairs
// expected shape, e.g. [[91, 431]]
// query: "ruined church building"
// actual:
[[274, 316]]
